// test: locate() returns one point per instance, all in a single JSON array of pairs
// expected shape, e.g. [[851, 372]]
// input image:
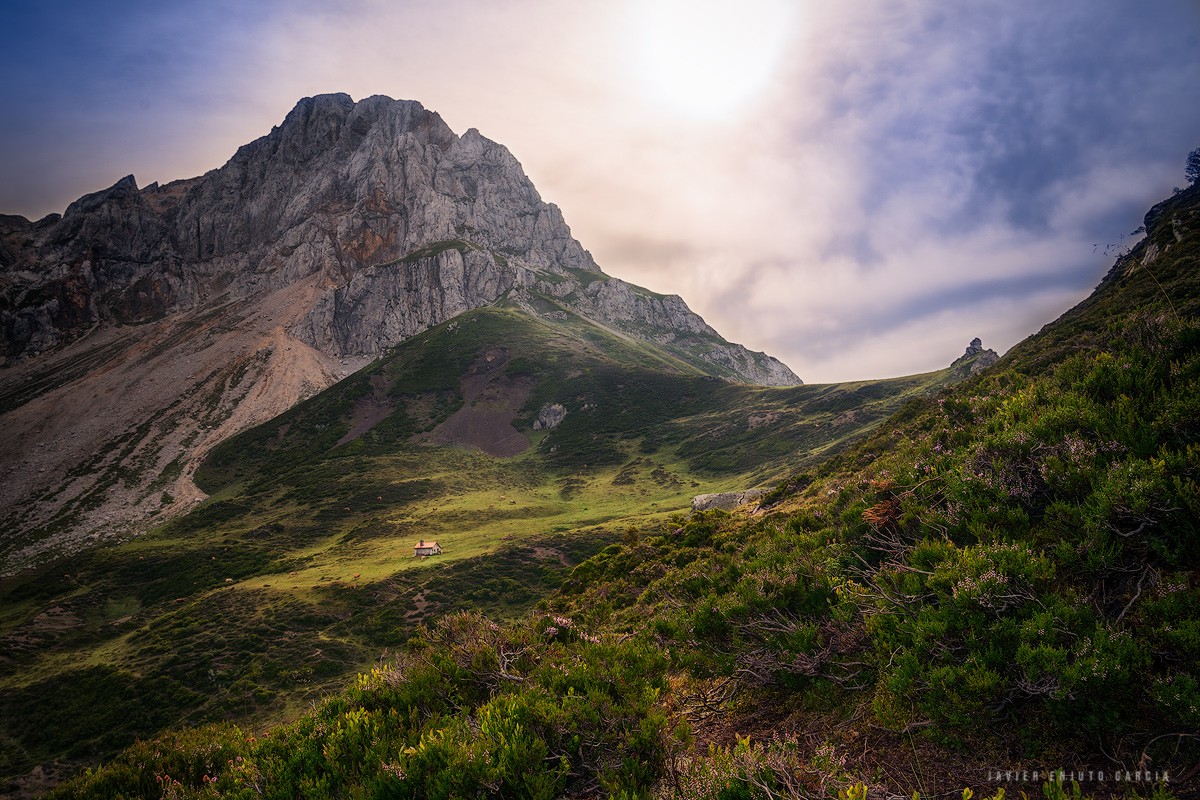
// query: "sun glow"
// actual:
[[706, 58]]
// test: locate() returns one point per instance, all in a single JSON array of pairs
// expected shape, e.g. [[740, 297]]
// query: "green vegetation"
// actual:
[[1011, 565], [1004, 572], [435, 249], [470, 709], [299, 569]]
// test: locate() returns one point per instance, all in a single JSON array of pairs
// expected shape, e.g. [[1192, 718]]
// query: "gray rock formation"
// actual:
[[549, 417], [726, 501], [974, 360], [666, 321]]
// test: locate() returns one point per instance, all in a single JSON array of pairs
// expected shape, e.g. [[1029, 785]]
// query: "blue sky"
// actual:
[[857, 188]]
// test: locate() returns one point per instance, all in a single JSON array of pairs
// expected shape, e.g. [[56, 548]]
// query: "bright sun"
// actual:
[[706, 58]]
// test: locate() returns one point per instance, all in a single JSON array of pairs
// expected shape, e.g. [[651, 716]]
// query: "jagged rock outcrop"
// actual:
[[726, 501], [145, 325], [549, 417], [976, 359]]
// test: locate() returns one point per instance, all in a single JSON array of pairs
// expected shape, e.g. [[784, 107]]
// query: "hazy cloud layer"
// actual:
[[858, 188]]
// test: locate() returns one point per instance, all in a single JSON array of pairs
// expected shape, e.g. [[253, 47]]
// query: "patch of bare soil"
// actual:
[[109, 448], [758, 420], [551, 554], [492, 399], [369, 411], [38, 781], [845, 419]]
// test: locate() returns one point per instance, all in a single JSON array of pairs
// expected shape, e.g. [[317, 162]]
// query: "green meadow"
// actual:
[[298, 572]]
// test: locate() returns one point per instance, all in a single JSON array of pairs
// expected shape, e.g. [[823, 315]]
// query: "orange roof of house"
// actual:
[[425, 544]]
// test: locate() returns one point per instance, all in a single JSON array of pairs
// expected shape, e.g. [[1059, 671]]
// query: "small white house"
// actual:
[[424, 548]]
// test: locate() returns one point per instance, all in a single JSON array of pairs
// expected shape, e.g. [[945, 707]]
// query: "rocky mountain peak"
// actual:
[[123, 192], [402, 223]]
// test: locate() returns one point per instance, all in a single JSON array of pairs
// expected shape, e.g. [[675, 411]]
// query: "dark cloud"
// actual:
[[1013, 101], [969, 296], [1069, 91]]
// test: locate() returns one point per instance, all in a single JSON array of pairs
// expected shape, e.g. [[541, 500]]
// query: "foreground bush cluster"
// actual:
[[472, 709]]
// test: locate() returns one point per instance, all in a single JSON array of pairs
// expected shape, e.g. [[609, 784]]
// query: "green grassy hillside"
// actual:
[[1004, 577], [298, 572]]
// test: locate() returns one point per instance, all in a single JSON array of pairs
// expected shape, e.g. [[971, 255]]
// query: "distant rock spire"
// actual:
[[975, 359]]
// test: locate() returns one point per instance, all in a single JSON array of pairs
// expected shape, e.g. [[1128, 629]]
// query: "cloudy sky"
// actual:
[[857, 187]]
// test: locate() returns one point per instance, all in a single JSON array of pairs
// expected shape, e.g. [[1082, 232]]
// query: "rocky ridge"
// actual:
[[145, 325]]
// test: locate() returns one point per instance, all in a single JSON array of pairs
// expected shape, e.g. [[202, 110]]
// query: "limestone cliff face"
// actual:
[[335, 190], [145, 325]]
